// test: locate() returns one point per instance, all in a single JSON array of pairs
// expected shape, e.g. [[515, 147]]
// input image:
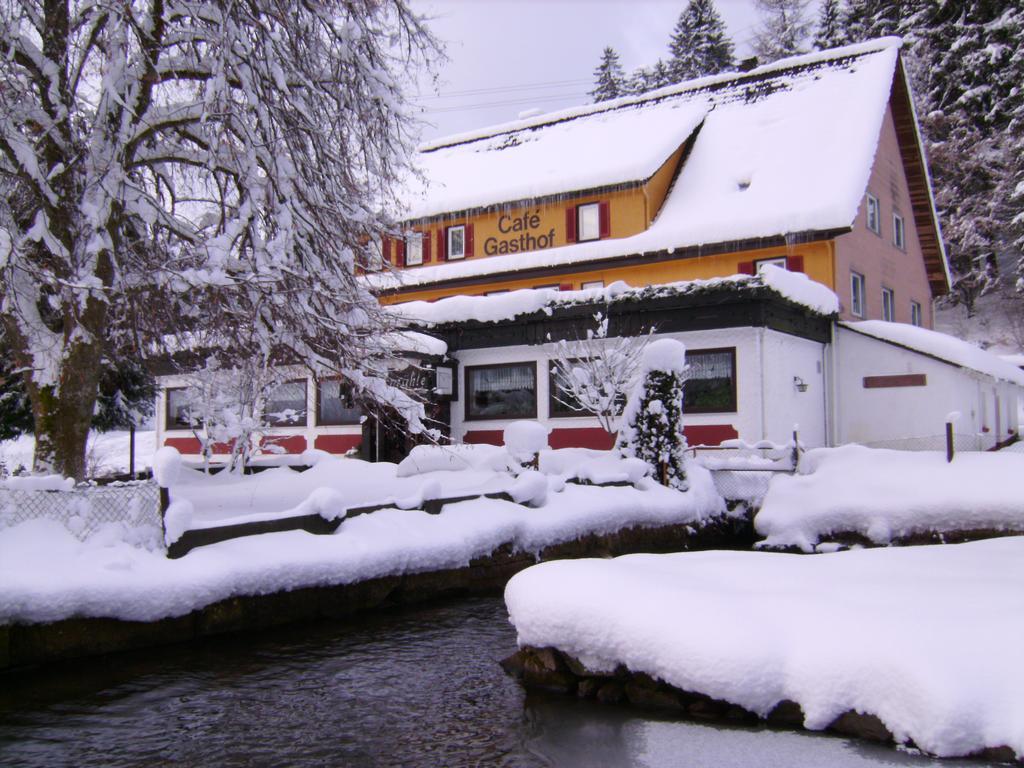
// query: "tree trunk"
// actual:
[[62, 420]]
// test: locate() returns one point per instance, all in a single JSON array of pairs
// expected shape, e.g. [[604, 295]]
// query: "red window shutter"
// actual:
[[795, 263], [400, 253], [565, 287], [745, 268], [604, 219], [386, 250], [570, 224], [426, 247], [442, 244], [469, 240]]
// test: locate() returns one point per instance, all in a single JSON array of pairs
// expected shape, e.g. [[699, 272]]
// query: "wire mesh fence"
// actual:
[[962, 443], [131, 509]]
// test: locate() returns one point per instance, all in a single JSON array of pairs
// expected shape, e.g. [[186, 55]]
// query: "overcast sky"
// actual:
[[507, 56]]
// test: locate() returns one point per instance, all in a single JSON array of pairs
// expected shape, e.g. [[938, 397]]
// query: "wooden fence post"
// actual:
[[949, 441]]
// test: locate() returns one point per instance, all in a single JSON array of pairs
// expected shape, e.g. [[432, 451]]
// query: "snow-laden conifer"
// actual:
[[609, 78], [830, 32], [699, 44], [652, 423], [175, 167], [783, 30]]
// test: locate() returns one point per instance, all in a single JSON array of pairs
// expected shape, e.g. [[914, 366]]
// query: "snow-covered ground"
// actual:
[[882, 494], [47, 574], [107, 452], [925, 638]]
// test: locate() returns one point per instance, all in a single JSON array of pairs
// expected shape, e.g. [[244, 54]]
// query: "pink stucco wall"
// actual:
[[875, 256]]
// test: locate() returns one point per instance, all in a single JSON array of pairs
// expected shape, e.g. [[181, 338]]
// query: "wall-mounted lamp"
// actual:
[[800, 384]]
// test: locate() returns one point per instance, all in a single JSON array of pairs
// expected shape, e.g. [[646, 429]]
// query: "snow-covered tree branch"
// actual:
[[167, 166], [596, 374]]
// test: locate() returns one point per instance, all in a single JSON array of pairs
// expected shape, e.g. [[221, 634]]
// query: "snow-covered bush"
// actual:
[[524, 440], [652, 425]]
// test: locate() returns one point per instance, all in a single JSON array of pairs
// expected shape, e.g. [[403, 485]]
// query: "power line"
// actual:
[[502, 89], [507, 103]]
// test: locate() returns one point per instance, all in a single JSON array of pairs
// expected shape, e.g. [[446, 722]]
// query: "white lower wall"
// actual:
[[987, 407], [768, 404]]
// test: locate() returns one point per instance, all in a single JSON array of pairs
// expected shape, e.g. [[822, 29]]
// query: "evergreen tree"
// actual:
[[830, 32], [645, 79], [784, 29], [609, 79], [699, 44], [652, 424]]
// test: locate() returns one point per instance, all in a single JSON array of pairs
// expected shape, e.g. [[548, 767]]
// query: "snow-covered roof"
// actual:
[[940, 345], [501, 307], [782, 149]]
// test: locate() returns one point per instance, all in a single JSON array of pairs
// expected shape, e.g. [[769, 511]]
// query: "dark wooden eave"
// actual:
[[551, 273], [728, 306], [916, 169]]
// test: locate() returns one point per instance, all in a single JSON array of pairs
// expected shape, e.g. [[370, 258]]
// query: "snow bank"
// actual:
[[925, 638], [942, 346], [47, 574], [39, 483], [452, 458], [885, 494], [107, 453], [525, 439]]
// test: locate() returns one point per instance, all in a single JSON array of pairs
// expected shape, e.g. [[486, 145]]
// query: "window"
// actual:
[[874, 213], [899, 236], [888, 305], [778, 261], [335, 404], [456, 237], [592, 284], [915, 313], [588, 222], [501, 391], [857, 294], [711, 381], [553, 286], [177, 408], [286, 405], [413, 249]]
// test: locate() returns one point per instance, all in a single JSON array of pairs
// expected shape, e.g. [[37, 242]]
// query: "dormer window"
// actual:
[[588, 222], [456, 242], [413, 249]]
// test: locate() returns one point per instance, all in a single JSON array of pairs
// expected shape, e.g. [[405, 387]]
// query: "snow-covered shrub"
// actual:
[[166, 466], [524, 440], [652, 424], [530, 488]]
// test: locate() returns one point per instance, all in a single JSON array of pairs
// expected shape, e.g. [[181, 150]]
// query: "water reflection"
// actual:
[[420, 688]]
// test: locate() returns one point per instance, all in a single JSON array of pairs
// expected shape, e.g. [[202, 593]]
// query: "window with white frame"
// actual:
[[177, 402], [899, 235], [874, 214], [456, 242], [888, 305], [286, 405], [414, 249], [588, 222], [857, 294], [505, 391], [915, 313], [336, 404], [778, 261], [592, 284]]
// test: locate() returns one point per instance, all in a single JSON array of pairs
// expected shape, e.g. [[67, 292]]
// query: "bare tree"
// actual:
[[596, 374], [167, 166]]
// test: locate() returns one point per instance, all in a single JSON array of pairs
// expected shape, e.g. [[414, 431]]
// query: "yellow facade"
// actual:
[[631, 209], [817, 257]]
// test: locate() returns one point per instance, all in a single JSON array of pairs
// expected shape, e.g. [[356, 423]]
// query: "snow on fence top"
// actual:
[[948, 348], [501, 307], [782, 149]]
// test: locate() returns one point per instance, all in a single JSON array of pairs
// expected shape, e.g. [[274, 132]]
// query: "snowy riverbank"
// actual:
[[926, 639], [879, 496], [46, 574]]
